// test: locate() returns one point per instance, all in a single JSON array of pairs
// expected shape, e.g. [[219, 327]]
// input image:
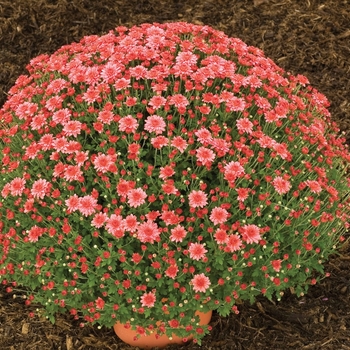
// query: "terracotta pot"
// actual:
[[150, 341]]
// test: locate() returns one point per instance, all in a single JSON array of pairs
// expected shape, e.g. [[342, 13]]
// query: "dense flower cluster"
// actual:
[[162, 169]]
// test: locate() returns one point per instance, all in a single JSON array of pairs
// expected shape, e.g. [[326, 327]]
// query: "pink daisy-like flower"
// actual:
[[122, 84], [251, 233], [233, 243], [198, 199], [178, 233], [220, 236], [157, 101], [123, 188], [128, 124], [103, 162], [110, 72], [148, 299], [6, 190], [38, 121], [266, 141], [205, 155], [155, 123], [130, 223], [40, 188], [99, 219], [179, 143], [282, 150], [55, 102], [169, 188], [105, 117], [72, 203], [136, 197], [72, 128], [218, 215], [148, 232], [197, 251], [62, 116], [233, 170], [46, 142], [172, 271], [200, 283], [81, 157], [242, 193], [87, 205], [35, 233], [204, 136], [17, 185], [281, 185], [244, 125], [178, 100], [166, 172], [115, 225], [72, 172], [314, 186], [159, 142]]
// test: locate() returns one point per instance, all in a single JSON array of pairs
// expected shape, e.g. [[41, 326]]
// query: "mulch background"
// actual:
[[309, 37]]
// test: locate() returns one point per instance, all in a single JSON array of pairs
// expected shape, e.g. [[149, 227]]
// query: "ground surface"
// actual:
[[310, 37]]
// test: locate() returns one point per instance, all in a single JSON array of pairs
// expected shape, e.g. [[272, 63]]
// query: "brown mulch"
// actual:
[[309, 37]]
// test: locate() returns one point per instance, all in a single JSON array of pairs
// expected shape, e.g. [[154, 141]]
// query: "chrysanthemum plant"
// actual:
[[163, 169]]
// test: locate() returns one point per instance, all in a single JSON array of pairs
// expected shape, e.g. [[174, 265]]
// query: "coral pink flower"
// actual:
[[123, 187], [218, 215], [281, 185], [130, 223], [276, 265], [148, 232], [172, 271], [87, 205], [99, 219], [205, 155], [72, 203], [157, 101], [148, 299], [72, 128], [178, 233], [155, 123], [220, 236], [244, 125], [17, 185], [233, 243], [251, 233], [178, 100], [128, 124], [200, 283], [136, 197], [204, 135], [103, 162], [159, 142], [233, 170], [105, 117], [197, 251], [242, 193], [198, 199], [166, 172], [72, 172], [35, 233], [179, 143], [115, 225], [100, 303], [40, 188], [62, 116], [314, 186]]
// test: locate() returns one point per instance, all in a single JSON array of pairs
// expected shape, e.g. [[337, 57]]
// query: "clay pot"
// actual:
[[150, 341]]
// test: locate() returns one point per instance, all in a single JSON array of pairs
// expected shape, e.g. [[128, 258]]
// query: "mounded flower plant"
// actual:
[[162, 169]]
